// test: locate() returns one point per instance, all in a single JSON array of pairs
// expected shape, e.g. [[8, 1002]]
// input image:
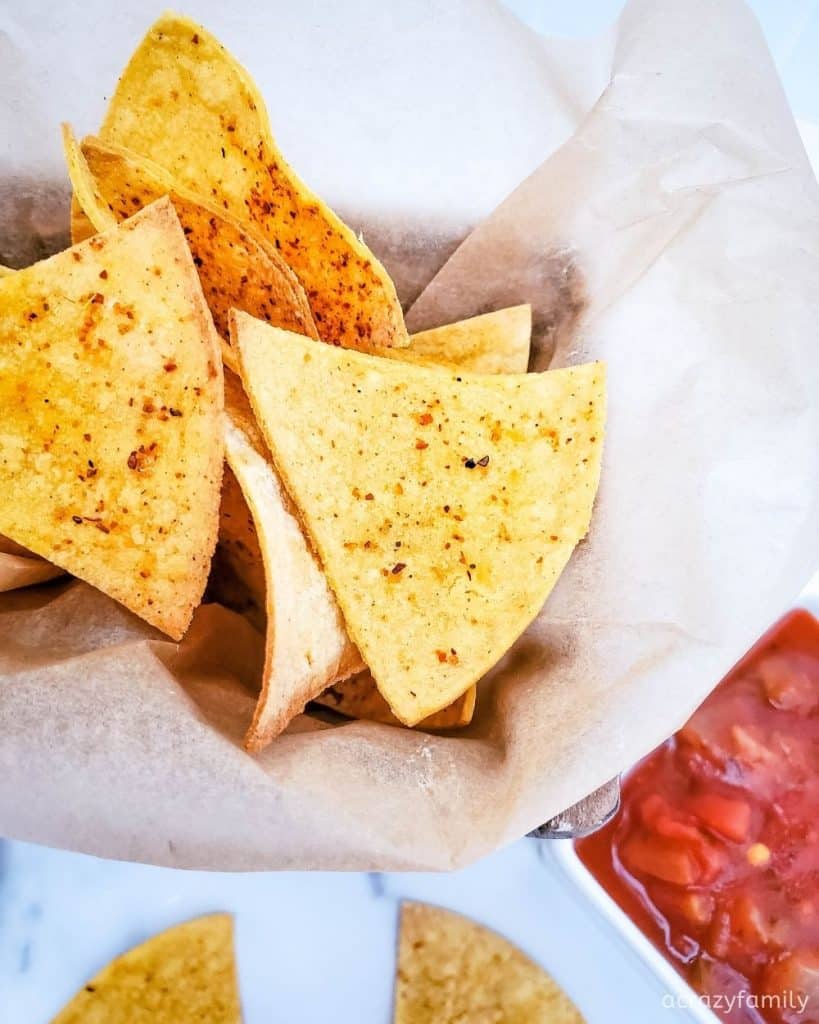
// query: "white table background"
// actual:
[[319, 947]]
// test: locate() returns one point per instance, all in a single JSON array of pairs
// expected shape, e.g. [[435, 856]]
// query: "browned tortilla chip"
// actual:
[[491, 343], [81, 227], [443, 506], [111, 390], [307, 646], [236, 269], [454, 971], [358, 697], [185, 975], [187, 104]]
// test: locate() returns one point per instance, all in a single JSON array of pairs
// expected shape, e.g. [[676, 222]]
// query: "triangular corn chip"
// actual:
[[111, 390], [87, 194], [185, 975], [358, 697], [187, 104], [235, 268], [491, 343], [452, 971], [443, 506], [307, 646], [496, 342]]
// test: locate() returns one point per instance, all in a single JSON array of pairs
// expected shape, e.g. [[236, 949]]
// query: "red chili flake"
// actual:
[[169, 366], [175, 412], [421, 445], [484, 461], [86, 437], [424, 419], [195, 38], [132, 460], [102, 527], [398, 568], [104, 275], [441, 655], [77, 519], [97, 298], [554, 536], [369, 496]]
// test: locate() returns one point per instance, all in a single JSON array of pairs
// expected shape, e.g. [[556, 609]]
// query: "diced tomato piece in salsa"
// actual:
[[715, 850]]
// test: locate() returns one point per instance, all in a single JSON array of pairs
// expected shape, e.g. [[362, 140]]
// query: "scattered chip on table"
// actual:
[[185, 975]]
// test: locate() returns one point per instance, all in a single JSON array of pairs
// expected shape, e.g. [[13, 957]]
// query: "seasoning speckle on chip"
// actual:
[[185, 102], [508, 511], [237, 270], [124, 500]]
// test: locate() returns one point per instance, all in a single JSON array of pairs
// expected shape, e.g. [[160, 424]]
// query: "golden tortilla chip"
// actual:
[[5, 271], [496, 342], [87, 194], [452, 970], [81, 227], [358, 697], [187, 104], [111, 390], [185, 975], [235, 268], [306, 645], [443, 506]]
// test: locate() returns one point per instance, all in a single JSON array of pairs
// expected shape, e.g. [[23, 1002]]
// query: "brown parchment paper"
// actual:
[[668, 223]]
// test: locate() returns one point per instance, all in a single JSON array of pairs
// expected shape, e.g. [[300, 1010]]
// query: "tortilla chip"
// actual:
[[87, 194], [187, 104], [306, 645], [235, 268], [451, 969], [358, 697], [111, 385], [443, 506], [496, 342], [5, 271], [185, 975]]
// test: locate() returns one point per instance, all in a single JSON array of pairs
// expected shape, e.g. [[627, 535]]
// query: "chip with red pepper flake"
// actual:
[[188, 105], [443, 506], [237, 270], [111, 390]]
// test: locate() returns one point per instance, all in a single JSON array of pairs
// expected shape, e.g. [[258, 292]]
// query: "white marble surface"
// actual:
[[311, 947], [320, 947]]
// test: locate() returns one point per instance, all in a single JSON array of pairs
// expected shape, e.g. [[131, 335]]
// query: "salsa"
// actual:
[[715, 851]]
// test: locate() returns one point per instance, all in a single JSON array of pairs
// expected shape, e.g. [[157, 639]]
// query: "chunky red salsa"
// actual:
[[715, 852]]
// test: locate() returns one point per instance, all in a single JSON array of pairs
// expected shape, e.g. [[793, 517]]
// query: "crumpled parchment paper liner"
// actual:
[[674, 232]]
